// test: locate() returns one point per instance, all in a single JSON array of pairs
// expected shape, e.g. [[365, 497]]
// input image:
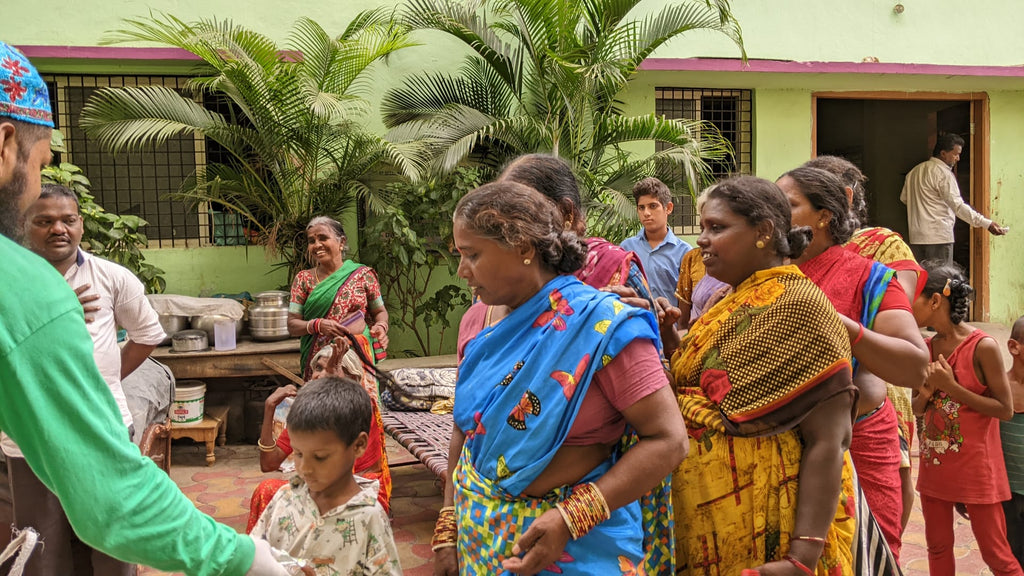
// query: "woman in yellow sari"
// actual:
[[764, 384]]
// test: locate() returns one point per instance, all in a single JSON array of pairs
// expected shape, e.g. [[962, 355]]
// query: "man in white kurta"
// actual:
[[933, 201]]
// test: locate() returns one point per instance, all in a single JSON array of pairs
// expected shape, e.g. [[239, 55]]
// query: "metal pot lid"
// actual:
[[187, 335]]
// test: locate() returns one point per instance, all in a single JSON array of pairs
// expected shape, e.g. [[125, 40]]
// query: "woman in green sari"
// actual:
[[334, 297]]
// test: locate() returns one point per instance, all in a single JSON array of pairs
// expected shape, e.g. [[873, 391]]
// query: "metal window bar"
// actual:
[[728, 110], [137, 182]]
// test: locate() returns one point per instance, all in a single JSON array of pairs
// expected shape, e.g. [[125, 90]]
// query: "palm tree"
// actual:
[[543, 77], [292, 136]]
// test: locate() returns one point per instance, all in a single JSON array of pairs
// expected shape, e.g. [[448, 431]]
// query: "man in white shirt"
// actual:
[[933, 201], [111, 296]]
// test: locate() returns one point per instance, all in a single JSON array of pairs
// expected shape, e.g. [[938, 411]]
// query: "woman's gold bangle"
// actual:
[[263, 447]]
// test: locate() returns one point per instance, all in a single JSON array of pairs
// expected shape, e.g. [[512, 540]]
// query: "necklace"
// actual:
[[316, 274]]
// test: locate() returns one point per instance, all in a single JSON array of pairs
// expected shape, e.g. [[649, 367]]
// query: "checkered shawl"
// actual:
[[758, 361]]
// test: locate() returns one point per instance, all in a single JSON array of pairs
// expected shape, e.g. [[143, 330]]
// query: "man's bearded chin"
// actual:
[[11, 218]]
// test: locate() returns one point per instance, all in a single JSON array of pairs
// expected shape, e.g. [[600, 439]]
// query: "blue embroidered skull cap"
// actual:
[[23, 94]]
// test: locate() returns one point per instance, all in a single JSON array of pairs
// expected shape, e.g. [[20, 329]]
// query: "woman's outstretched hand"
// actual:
[[540, 546]]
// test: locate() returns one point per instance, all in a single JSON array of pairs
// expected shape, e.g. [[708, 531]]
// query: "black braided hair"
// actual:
[[949, 280]]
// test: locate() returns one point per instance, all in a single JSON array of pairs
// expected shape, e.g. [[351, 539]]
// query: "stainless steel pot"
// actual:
[[172, 324], [268, 323], [189, 341], [207, 321], [276, 298]]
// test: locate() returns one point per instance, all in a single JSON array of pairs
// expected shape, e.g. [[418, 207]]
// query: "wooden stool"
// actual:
[[220, 414], [205, 431]]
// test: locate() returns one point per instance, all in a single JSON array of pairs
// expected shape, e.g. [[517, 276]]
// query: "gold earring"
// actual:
[[568, 225], [759, 244], [821, 224], [526, 261]]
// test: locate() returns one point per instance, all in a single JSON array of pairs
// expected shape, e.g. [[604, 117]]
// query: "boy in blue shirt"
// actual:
[[660, 251]]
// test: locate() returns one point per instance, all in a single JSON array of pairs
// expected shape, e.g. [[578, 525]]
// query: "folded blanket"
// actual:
[[418, 388]]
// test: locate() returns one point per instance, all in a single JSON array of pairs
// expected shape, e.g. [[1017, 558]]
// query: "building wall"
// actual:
[[943, 32], [217, 269], [937, 31], [1006, 187]]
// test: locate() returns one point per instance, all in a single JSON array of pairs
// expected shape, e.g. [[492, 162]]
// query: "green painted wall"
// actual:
[[1006, 185], [217, 269], [936, 31]]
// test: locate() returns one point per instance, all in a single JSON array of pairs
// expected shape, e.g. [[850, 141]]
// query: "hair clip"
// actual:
[[945, 289]]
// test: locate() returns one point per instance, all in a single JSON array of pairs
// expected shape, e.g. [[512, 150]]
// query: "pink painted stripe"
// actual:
[[107, 53], [791, 67]]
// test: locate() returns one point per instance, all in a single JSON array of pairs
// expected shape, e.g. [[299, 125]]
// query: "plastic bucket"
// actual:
[[189, 397]]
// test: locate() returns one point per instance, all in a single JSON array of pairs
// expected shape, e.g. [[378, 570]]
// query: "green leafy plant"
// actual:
[[295, 146], [544, 76], [410, 247], [110, 236]]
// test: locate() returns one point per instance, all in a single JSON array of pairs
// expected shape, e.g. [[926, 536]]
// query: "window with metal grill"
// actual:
[[140, 182], [728, 110]]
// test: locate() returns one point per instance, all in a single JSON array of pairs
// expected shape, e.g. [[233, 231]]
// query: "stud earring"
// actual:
[[821, 224], [526, 261], [759, 244]]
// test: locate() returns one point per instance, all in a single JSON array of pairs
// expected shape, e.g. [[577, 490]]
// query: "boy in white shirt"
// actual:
[[327, 516]]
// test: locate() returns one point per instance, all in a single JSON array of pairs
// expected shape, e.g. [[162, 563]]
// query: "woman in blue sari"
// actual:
[[542, 481]]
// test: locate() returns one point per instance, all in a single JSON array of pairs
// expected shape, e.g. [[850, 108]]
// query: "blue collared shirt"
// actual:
[[661, 264]]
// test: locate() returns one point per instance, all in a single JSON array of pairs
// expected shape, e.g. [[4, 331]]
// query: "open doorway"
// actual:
[[887, 136]]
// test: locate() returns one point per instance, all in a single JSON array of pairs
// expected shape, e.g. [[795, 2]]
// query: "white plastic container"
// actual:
[[224, 335], [189, 400]]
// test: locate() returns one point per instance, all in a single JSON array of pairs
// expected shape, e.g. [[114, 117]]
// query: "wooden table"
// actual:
[[244, 361]]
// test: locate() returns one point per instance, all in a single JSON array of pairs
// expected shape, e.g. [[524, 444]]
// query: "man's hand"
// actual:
[[90, 310], [997, 230]]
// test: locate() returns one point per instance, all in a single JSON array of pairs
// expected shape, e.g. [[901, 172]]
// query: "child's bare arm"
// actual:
[[997, 403]]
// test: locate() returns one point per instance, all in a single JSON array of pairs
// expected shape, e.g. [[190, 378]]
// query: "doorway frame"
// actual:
[[979, 195]]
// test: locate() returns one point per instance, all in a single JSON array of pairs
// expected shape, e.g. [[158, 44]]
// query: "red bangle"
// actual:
[[860, 334], [800, 565]]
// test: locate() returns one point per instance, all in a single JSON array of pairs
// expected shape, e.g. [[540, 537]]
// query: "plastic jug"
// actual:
[[224, 335]]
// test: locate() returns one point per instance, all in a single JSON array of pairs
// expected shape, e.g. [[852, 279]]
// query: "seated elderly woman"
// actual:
[[337, 359], [542, 478]]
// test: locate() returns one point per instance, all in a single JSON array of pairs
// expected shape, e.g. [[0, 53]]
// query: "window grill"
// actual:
[[140, 182], [728, 110]]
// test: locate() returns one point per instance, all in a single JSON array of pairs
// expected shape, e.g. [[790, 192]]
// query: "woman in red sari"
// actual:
[[886, 344], [885, 247], [334, 298]]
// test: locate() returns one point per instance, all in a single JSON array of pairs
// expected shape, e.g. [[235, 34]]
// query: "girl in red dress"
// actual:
[[964, 396]]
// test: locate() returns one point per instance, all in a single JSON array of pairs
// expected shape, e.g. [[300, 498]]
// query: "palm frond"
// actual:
[[121, 118], [466, 23]]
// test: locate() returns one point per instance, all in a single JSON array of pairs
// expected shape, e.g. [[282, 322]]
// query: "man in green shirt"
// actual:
[[55, 404]]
